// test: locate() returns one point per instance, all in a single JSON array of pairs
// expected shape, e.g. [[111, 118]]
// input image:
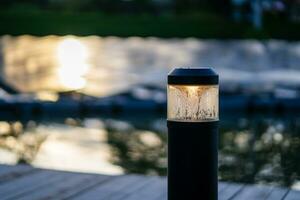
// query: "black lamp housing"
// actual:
[[193, 106]]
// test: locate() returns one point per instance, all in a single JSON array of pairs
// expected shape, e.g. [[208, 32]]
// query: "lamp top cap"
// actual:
[[193, 76]]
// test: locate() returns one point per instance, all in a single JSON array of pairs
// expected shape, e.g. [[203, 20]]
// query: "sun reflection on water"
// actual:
[[72, 57]]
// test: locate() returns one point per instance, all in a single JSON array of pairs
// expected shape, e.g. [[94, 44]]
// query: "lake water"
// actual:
[[107, 65], [253, 148]]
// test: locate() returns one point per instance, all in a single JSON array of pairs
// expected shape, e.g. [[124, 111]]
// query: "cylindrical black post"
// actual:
[[192, 134]]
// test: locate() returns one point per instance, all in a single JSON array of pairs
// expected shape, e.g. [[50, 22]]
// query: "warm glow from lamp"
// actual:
[[193, 102], [73, 63]]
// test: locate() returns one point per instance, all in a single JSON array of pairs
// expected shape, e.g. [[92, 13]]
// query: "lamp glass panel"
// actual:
[[193, 102]]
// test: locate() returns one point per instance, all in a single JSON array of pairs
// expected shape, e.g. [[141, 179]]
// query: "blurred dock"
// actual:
[[25, 182]]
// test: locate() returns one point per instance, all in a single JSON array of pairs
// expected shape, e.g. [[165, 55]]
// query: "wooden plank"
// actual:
[[4, 167], [150, 190], [8, 173], [257, 192], [11, 186], [230, 191], [164, 193], [53, 189], [80, 187], [114, 186], [30, 184], [222, 186], [7, 169], [277, 193], [293, 195], [132, 188], [163, 196]]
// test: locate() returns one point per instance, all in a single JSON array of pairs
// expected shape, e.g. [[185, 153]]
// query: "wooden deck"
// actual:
[[27, 183]]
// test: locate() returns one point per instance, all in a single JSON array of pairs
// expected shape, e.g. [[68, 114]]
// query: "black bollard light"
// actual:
[[193, 115]]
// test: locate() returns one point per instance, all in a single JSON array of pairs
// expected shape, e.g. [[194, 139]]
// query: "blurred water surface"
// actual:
[[102, 66]]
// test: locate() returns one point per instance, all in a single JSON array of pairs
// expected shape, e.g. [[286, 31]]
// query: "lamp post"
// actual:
[[193, 114]]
